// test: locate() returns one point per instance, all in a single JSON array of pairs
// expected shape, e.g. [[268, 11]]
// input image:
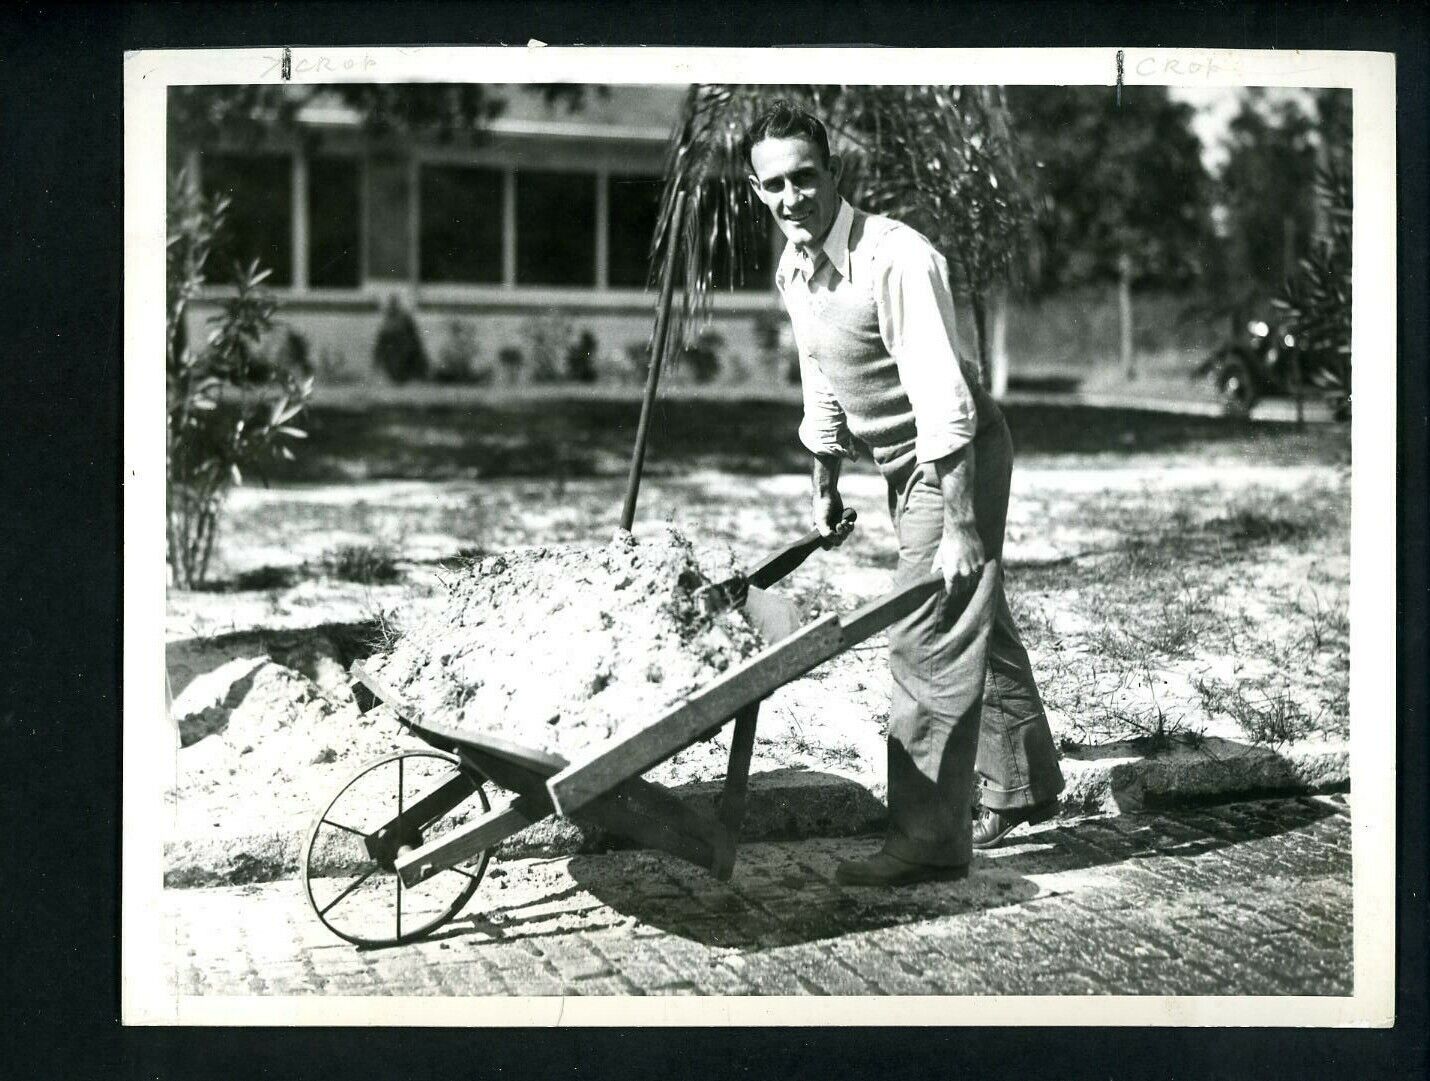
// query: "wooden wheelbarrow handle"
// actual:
[[787, 559], [879, 614]]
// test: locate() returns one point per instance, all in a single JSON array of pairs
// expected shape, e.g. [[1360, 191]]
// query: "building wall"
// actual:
[[373, 223], [340, 339]]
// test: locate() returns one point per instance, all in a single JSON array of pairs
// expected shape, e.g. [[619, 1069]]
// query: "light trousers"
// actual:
[[965, 709]]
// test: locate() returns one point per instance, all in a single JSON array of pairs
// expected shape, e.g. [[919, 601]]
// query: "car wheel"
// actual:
[[1235, 387]]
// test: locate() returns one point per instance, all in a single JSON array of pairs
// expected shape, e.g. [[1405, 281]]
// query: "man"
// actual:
[[873, 319]]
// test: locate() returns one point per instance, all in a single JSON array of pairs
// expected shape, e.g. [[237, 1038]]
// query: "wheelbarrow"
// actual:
[[404, 844]]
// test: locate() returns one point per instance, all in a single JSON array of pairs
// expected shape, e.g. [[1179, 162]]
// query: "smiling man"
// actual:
[[873, 319]]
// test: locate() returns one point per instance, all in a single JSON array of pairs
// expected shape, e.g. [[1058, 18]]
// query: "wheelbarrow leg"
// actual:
[[737, 778], [653, 817], [637, 809]]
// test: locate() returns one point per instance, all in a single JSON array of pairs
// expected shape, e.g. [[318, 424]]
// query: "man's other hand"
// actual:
[[959, 557], [828, 519]]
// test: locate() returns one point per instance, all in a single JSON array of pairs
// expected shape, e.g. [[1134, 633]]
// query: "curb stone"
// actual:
[[1120, 781], [798, 804]]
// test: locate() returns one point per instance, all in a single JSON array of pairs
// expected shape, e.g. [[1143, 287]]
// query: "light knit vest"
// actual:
[[836, 325]]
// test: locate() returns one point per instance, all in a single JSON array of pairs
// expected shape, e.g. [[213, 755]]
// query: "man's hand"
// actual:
[[960, 553], [828, 507], [959, 557], [829, 519]]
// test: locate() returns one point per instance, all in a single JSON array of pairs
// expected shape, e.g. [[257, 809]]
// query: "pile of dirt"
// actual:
[[562, 647], [263, 740]]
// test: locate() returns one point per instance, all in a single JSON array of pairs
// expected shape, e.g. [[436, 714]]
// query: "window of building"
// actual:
[[334, 213], [259, 224], [634, 209], [461, 239], [555, 228]]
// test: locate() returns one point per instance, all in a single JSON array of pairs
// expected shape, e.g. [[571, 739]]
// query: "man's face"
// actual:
[[800, 188]]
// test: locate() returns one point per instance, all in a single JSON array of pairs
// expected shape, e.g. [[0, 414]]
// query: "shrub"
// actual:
[[285, 349], [1316, 300], [767, 328], [333, 366], [511, 360], [229, 410], [775, 341], [547, 339], [457, 359], [398, 348], [703, 357], [581, 359], [637, 356]]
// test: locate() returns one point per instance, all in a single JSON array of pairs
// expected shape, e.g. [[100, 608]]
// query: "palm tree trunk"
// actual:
[[1124, 317], [978, 302], [998, 354]]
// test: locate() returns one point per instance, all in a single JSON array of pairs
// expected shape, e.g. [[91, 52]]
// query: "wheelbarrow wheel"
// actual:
[[352, 882]]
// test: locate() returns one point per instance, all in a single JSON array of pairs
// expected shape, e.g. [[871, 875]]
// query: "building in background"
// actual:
[[521, 258]]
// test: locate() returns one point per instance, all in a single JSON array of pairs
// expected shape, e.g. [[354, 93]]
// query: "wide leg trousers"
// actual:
[[965, 708]]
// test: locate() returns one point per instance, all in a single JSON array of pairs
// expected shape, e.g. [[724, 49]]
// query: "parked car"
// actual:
[[1266, 362]]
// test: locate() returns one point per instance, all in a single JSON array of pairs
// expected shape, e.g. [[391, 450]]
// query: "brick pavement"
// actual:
[[1250, 898]]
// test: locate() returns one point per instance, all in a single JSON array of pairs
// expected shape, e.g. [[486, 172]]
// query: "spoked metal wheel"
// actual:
[[389, 807]]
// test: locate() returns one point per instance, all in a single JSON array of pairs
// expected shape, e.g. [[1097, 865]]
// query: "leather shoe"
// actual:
[[990, 826], [882, 869]]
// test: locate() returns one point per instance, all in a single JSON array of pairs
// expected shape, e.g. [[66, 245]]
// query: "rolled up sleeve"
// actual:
[[824, 430], [916, 320]]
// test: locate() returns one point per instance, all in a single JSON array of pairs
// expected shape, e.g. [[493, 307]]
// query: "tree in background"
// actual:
[[942, 158], [1268, 185], [1124, 196], [201, 116], [1115, 179]]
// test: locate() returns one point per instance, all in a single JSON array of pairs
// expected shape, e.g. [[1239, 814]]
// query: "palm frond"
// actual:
[[720, 223], [1316, 299], [943, 159]]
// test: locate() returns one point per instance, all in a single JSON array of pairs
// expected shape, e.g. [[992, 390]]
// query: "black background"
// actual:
[[61, 405]]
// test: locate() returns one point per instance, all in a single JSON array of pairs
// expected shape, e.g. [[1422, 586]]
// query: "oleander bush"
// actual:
[[230, 408]]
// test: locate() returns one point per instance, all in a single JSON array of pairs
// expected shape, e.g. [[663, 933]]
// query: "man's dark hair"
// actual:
[[782, 120]]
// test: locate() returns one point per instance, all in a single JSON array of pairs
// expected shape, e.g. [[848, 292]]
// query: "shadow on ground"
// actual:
[[585, 437], [788, 897]]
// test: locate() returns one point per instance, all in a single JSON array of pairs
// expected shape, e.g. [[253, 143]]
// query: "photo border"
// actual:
[[1370, 76]]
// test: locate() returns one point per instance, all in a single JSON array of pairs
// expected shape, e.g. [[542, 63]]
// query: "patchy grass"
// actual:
[[1254, 526], [465, 556], [265, 579], [366, 564], [842, 754], [1266, 719], [1127, 641], [1147, 729]]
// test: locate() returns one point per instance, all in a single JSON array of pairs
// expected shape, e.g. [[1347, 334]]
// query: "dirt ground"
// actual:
[[1162, 600]]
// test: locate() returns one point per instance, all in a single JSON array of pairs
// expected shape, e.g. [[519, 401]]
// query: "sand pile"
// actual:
[[263, 740], [562, 647]]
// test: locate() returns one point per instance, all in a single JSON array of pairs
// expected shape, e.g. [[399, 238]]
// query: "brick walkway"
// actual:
[[1251, 898]]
